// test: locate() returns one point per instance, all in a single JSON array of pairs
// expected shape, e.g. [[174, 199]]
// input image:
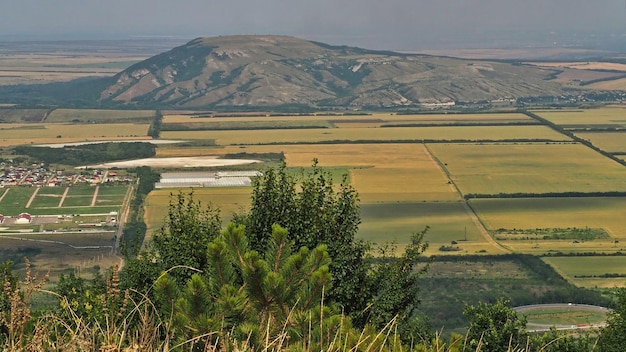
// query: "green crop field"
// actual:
[[106, 190], [529, 213], [607, 141], [45, 201], [557, 213], [77, 201], [615, 116], [81, 191], [320, 135], [529, 168], [57, 191], [447, 221], [15, 200], [100, 116], [591, 271]]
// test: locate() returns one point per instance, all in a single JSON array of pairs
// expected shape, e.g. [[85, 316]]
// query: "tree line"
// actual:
[[76, 155]]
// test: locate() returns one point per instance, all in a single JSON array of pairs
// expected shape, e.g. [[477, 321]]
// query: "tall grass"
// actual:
[[129, 321]]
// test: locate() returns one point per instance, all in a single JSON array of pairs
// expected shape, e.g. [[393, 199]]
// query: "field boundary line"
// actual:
[[4, 194], [67, 190], [32, 197]]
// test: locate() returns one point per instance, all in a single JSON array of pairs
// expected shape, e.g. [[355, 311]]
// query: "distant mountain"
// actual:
[[272, 71]]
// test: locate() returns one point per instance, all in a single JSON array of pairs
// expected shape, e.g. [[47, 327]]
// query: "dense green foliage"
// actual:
[[495, 327], [522, 279], [246, 291], [154, 130], [135, 228], [613, 338], [87, 153], [315, 211]]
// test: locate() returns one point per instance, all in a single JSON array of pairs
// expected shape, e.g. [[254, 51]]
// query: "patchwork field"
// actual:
[[593, 271], [529, 168], [608, 116], [22, 115], [379, 172], [560, 213], [100, 116], [50, 200], [321, 135], [17, 134], [448, 222], [339, 121], [607, 141]]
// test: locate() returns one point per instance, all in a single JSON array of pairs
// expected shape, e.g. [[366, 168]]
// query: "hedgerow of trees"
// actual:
[[87, 153]]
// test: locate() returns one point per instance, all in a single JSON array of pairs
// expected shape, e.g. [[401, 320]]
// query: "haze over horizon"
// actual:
[[393, 25]]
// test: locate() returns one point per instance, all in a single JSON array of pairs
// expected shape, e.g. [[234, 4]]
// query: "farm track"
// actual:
[[95, 196], [32, 197], [4, 194], [470, 211], [67, 189], [472, 214]]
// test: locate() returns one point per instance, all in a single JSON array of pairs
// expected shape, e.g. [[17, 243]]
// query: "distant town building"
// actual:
[[23, 218]]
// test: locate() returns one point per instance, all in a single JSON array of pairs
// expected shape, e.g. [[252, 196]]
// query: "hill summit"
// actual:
[[266, 71]]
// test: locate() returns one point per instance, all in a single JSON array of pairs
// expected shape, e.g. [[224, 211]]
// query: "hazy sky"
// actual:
[[377, 24]]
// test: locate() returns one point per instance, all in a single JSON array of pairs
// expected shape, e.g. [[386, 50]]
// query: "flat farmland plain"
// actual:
[[60, 258], [99, 116], [22, 115], [347, 121], [589, 271], [380, 172], [18, 134], [48, 199], [325, 135], [448, 221], [529, 168], [541, 213], [607, 141]]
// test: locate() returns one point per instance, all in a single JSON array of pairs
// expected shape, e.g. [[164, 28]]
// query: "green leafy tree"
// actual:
[[314, 211], [393, 287], [181, 242], [495, 327], [613, 336], [559, 341]]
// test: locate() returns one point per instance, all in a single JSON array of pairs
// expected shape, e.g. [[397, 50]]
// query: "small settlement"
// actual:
[[37, 175]]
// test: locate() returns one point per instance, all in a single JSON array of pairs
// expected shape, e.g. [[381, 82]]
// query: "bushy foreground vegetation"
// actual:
[[288, 275]]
